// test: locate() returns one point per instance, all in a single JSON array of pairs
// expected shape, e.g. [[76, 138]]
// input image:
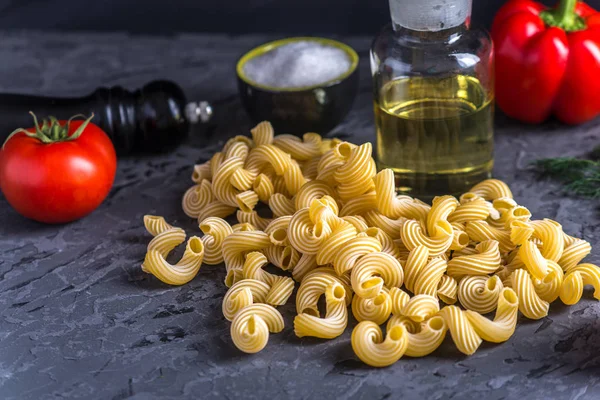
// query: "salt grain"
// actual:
[[298, 64]]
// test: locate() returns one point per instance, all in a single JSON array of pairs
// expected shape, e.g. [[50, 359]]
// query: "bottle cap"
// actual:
[[430, 15], [198, 112]]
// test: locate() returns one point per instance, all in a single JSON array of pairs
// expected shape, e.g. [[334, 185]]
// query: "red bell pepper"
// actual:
[[547, 61]]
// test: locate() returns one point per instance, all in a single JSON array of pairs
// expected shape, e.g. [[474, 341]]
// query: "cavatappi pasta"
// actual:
[[337, 226]]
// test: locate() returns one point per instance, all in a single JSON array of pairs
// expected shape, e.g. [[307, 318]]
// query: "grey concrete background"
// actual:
[[79, 319]]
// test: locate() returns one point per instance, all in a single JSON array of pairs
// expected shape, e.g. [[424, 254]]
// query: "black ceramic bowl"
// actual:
[[316, 108]]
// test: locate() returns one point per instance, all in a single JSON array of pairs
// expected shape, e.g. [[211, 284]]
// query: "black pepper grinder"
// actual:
[[155, 118]]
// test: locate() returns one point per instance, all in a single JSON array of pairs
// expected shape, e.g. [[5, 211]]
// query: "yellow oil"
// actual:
[[435, 133]]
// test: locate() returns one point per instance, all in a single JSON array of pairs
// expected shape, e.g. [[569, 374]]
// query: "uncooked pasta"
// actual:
[[335, 229]]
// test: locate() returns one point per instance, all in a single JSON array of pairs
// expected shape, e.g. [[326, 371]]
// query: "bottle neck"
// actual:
[[428, 18], [444, 35]]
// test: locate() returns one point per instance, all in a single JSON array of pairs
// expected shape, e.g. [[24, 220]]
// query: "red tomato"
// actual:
[[61, 180]]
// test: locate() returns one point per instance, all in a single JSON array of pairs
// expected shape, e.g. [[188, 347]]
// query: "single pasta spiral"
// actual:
[[377, 309], [242, 294], [481, 231], [215, 231], [251, 326], [441, 208], [373, 271], [551, 235], [469, 328], [300, 149], [238, 244], [530, 303], [391, 227], [504, 323], [155, 224], [574, 251], [492, 189], [422, 274], [423, 337], [312, 190], [447, 289], [486, 261], [577, 277], [472, 207], [420, 307], [479, 293], [370, 346], [314, 285], [335, 320], [438, 242], [215, 209], [280, 287], [186, 268], [254, 219], [390, 205], [549, 287], [196, 198], [355, 175]]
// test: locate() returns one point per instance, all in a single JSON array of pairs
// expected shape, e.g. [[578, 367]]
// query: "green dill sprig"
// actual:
[[579, 176]]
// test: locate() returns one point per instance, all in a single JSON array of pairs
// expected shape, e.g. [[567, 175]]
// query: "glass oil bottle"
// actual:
[[433, 97]]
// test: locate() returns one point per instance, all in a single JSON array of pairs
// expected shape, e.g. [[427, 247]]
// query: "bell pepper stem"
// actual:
[[565, 12], [564, 16]]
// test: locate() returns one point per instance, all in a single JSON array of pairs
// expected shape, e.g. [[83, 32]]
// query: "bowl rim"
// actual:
[[266, 47]]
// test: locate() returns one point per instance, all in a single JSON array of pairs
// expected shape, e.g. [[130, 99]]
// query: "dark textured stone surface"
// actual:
[[79, 319], [300, 17]]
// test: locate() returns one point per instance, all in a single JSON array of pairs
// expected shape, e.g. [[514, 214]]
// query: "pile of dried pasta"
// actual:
[[341, 231]]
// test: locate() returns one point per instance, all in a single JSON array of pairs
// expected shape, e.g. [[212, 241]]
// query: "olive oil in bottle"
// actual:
[[433, 96], [435, 133]]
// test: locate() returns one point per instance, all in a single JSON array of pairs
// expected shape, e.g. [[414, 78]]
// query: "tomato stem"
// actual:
[[51, 131]]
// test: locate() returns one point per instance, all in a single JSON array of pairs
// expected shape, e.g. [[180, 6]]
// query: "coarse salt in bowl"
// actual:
[[302, 84]]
